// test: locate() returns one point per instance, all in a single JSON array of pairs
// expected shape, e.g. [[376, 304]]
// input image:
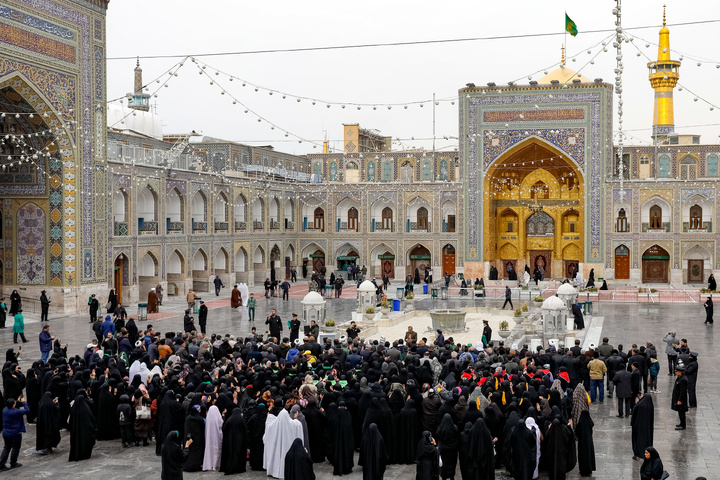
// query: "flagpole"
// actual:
[[565, 39]]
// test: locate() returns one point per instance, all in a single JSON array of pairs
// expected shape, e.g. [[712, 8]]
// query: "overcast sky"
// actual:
[[392, 74]]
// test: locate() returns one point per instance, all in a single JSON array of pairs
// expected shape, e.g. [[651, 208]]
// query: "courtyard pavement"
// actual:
[[686, 455]]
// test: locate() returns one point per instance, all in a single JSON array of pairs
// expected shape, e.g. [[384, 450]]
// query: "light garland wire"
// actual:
[[617, 11]]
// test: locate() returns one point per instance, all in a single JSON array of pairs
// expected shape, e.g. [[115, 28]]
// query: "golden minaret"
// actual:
[[664, 76]]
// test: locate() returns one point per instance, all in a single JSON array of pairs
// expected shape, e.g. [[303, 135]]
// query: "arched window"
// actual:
[[319, 219], [332, 176], [422, 218], [688, 168], [352, 220], [696, 221], [426, 170], [655, 217], [370, 171], [712, 166], [664, 167], [387, 219], [621, 223], [443, 170], [569, 221]]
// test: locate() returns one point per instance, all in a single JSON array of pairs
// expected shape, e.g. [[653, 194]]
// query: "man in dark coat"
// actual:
[[680, 396], [691, 371], [614, 364], [294, 329], [202, 316], [45, 306], [218, 285], [508, 298], [623, 390], [643, 424], [94, 306], [274, 324]]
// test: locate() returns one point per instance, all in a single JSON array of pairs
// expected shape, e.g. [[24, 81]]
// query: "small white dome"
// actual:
[[553, 303], [566, 289], [367, 286], [313, 298]]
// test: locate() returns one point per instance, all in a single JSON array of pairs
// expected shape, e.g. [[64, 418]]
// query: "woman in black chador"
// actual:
[[447, 438], [298, 465], [481, 453], [82, 428], [373, 455], [586, 447], [709, 310], [234, 444], [642, 422], [652, 467], [428, 460]]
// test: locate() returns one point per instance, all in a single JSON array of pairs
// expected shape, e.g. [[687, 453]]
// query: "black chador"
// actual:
[[234, 444], [373, 456], [481, 452], [586, 447], [643, 423]]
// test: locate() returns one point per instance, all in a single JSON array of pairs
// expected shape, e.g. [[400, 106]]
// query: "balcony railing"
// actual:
[[289, 225], [175, 228], [199, 227], [274, 225], [221, 227], [258, 225], [122, 229], [240, 226], [149, 228]]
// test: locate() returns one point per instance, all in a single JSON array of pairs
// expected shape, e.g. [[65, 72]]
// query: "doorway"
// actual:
[[448, 259], [696, 273], [419, 259], [318, 261], [541, 258], [387, 264], [655, 265], [622, 263], [571, 267], [120, 271], [507, 266]]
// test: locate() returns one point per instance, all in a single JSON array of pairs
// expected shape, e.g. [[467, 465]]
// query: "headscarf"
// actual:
[[580, 403]]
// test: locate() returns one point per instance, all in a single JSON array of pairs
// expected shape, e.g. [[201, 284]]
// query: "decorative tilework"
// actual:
[[21, 39], [171, 184], [99, 75], [31, 245], [36, 23], [98, 29]]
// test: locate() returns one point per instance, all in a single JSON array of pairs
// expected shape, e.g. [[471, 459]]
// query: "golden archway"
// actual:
[[529, 177]]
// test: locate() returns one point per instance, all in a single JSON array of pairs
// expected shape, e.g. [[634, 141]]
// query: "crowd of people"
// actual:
[[282, 405]]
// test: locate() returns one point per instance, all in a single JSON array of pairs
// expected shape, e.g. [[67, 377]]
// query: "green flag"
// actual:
[[570, 26]]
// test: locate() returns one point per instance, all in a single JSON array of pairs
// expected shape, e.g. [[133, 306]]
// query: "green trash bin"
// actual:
[[142, 311], [433, 293], [444, 293], [583, 306]]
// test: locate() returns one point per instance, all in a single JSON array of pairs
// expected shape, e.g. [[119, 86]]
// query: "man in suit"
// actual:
[[680, 396], [411, 336]]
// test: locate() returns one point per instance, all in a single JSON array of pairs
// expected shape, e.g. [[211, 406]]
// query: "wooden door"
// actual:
[[696, 273], [449, 263], [118, 278], [622, 263], [541, 258]]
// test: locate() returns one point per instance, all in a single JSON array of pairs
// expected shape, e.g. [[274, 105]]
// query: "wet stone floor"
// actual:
[[686, 454]]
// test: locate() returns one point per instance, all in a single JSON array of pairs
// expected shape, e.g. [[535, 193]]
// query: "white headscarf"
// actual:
[[280, 433], [533, 427], [213, 439], [139, 368]]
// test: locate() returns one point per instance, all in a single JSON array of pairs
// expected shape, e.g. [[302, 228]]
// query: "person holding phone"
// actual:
[[13, 428]]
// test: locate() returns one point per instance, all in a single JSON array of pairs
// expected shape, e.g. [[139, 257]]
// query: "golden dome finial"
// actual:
[[562, 55], [663, 15]]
